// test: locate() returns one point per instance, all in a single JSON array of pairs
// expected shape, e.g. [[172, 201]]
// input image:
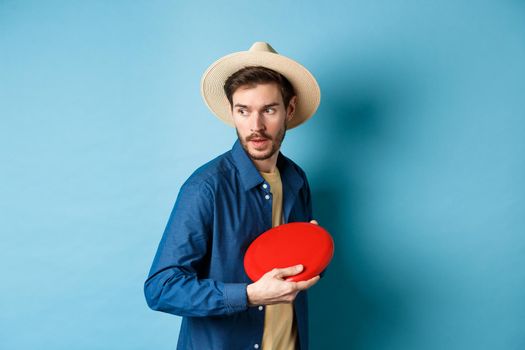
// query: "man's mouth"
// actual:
[[258, 141]]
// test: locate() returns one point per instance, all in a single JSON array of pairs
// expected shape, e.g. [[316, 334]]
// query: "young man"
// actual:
[[198, 270]]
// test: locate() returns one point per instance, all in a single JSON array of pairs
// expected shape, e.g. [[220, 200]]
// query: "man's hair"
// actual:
[[254, 75]]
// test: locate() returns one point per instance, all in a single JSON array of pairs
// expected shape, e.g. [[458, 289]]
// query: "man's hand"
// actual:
[[272, 288]]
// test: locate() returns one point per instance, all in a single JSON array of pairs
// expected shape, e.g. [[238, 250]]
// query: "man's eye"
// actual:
[[269, 110], [242, 112]]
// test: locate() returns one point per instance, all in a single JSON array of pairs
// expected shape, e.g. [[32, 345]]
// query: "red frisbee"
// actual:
[[288, 245]]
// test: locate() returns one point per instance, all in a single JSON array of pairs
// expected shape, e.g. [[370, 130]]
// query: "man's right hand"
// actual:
[[272, 287]]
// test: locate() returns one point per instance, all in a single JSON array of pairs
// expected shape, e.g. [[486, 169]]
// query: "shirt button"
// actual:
[[261, 308], [265, 186], [256, 346], [267, 196]]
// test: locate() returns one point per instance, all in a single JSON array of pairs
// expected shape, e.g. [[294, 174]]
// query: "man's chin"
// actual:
[[260, 155]]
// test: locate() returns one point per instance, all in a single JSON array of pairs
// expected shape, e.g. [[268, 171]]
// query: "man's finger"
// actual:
[[302, 285], [314, 222], [288, 271]]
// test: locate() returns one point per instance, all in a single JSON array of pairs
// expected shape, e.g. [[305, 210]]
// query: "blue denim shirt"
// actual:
[[198, 271]]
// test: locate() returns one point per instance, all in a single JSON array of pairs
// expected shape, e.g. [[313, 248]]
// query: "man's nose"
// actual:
[[257, 122]]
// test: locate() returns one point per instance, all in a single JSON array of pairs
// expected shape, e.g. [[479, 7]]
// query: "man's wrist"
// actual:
[[250, 295]]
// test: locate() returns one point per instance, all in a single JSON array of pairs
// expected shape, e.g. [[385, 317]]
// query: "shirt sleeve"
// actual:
[[174, 284], [309, 210], [308, 200]]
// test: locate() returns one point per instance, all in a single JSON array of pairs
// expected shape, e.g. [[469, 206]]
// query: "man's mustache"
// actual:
[[261, 135]]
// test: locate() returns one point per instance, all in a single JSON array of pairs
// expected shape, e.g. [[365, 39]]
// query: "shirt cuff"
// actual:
[[235, 296]]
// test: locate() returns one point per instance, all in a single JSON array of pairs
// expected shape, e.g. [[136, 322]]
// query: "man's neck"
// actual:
[[267, 165]]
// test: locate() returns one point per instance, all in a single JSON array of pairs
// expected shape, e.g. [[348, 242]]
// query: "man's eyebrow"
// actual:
[[271, 105]]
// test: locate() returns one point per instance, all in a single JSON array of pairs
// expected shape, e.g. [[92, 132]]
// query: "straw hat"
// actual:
[[260, 54]]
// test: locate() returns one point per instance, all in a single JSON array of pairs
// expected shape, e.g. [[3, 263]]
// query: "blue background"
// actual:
[[415, 158]]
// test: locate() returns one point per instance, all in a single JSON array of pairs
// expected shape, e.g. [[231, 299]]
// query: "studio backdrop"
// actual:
[[415, 161]]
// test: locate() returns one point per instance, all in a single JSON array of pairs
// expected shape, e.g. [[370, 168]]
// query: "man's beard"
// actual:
[[276, 144]]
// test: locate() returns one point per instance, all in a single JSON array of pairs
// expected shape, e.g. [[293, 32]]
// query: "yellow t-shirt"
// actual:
[[280, 330]]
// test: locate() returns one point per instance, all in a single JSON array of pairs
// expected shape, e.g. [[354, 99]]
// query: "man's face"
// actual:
[[260, 119]]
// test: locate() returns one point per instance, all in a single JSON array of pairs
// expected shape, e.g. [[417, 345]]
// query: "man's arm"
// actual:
[[173, 285], [309, 208]]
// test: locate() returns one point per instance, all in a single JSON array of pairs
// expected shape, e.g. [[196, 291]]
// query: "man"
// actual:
[[198, 270]]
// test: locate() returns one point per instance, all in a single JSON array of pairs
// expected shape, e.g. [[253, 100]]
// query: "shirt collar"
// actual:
[[251, 177], [249, 174]]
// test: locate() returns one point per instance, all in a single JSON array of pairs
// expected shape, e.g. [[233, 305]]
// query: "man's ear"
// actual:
[[291, 109]]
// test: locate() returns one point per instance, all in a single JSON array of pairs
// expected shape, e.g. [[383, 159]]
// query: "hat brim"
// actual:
[[303, 82]]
